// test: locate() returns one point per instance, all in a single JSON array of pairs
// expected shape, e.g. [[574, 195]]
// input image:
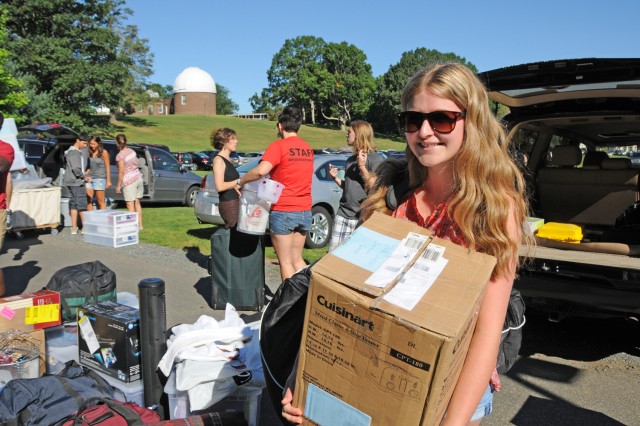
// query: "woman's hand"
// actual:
[[289, 412], [362, 159], [333, 171]]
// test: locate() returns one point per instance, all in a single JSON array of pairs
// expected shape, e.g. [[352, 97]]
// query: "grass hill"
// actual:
[[191, 132]]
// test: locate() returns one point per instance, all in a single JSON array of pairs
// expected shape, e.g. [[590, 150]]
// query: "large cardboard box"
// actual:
[[109, 340], [30, 311], [389, 319]]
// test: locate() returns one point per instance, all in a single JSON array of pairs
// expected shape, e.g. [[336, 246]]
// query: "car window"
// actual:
[[322, 172], [162, 160], [112, 150]]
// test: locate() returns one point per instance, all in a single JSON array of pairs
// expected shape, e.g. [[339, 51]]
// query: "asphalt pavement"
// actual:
[[578, 372]]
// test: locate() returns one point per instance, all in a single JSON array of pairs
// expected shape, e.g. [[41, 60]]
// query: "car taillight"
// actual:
[[203, 184]]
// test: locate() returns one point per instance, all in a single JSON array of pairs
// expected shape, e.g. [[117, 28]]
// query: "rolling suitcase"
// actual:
[[237, 270]]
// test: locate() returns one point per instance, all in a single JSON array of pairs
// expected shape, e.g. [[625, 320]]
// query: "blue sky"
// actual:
[[234, 41]]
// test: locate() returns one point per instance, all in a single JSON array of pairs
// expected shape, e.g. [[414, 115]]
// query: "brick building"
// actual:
[[194, 92]]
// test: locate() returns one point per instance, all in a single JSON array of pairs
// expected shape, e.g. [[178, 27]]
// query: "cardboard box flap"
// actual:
[[443, 308], [365, 251]]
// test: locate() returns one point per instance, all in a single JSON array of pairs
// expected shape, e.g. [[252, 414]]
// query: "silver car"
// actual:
[[324, 192]]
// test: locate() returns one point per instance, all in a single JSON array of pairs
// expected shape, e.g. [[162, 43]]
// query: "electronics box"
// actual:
[[389, 318], [30, 311], [109, 340]]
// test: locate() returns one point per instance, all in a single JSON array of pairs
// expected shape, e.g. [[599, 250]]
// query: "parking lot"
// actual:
[[576, 372]]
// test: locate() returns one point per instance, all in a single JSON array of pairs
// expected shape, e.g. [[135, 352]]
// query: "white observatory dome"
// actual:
[[193, 79]]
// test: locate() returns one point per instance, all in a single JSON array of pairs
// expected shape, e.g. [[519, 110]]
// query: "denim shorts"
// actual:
[[97, 184], [486, 405], [285, 223]]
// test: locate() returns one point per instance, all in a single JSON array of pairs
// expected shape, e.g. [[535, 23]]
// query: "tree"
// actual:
[[12, 95], [346, 83], [224, 103], [78, 53], [293, 76], [386, 104]]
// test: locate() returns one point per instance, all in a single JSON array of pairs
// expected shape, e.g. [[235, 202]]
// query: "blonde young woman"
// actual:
[[464, 186], [225, 176], [99, 174], [358, 177]]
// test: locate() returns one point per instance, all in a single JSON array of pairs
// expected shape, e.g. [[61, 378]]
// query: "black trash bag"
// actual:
[[281, 333], [511, 338], [86, 283]]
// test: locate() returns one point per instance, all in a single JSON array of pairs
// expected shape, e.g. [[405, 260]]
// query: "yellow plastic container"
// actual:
[[565, 232]]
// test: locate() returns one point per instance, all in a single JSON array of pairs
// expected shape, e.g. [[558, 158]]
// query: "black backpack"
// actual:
[[90, 282]]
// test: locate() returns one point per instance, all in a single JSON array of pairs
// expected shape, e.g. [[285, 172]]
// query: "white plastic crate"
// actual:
[[105, 230], [111, 241], [110, 217], [133, 391], [247, 401]]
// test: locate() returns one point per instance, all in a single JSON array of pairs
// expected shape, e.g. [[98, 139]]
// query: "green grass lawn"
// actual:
[[191, 132], [176, 226]]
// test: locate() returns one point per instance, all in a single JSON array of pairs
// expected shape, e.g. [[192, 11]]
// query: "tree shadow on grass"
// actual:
[[135, 122]]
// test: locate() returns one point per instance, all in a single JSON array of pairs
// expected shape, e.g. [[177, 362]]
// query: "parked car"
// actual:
[[185, 159], [34, 140], [165, 181], [201, 160], [635, 158], [558, 110], [51, 132], [211, 152], [325, 198], [34, 149], [156, 145]]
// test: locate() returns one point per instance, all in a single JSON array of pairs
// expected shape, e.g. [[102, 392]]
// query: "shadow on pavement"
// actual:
[[559, 413], [551, 408], [17, 278], [578, 339]]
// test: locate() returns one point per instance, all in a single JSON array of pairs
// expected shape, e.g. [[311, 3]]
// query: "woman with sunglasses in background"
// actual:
[[464, 187], [358, 177]]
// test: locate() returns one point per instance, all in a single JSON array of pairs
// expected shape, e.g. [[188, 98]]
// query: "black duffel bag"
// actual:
[[86, 283], [50, 399]]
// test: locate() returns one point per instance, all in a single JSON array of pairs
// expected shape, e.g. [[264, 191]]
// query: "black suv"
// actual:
[[567, 120], [34, 140]]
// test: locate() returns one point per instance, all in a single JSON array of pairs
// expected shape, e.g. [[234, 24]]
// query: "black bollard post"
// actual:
[[153, 324]]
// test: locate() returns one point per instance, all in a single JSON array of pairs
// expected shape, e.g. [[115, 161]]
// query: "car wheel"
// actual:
[[321, 225], [190, 198]]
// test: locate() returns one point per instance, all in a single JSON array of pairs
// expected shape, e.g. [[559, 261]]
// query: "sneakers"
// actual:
[[74, 231]]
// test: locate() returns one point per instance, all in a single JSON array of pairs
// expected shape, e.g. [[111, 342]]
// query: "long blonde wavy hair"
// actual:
[[487, 183], [364, 137]]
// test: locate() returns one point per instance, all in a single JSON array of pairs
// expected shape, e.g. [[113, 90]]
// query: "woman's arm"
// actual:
[[120, 175], [218, 176], [107, 165], [483, 350]]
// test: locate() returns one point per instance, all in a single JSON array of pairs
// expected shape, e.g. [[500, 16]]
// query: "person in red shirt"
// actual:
[[6, 159], [289, 161]]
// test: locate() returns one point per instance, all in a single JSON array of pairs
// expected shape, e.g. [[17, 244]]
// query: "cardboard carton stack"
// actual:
[[389, 319]]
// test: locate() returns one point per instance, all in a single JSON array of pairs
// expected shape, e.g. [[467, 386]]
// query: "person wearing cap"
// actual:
[[74, 180]]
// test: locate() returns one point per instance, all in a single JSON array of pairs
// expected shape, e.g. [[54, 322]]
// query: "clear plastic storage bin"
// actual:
[[110, 217], [111, 241], [110, 230]]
